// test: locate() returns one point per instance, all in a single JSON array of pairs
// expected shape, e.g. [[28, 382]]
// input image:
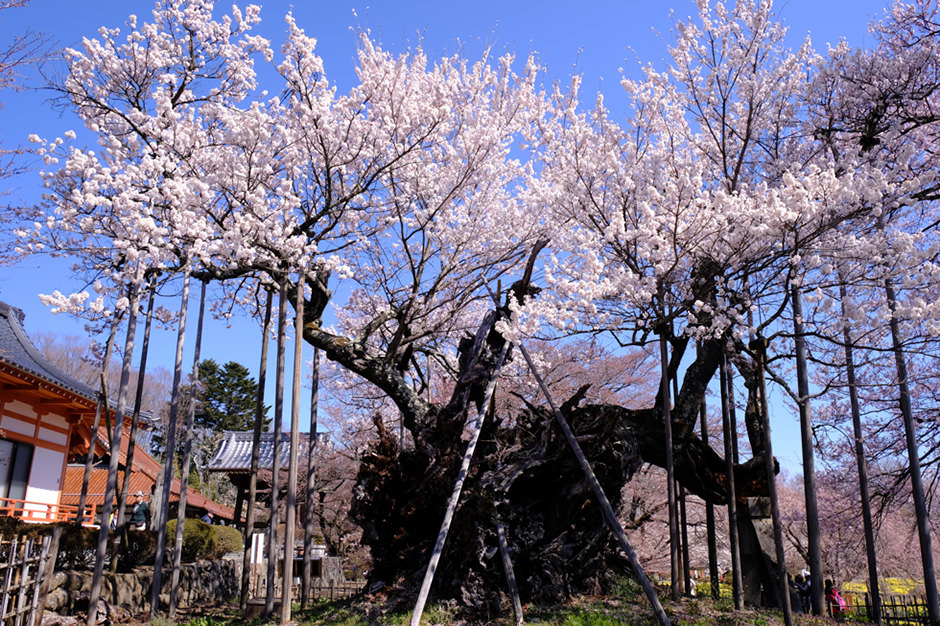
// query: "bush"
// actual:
[[229, 539], [77, 547], [139, 549], [11, 526], [199, 541]]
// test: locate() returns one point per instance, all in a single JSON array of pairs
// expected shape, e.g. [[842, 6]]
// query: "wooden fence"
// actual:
[[895, 609], [319, 590], [26, 565], [332, 591]]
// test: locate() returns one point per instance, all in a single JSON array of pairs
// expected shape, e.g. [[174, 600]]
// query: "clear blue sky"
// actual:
[[592, 37]]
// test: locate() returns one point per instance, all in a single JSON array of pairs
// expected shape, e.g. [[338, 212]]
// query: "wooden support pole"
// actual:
[[477, 426], [913, 459], [510, 575], [121, 533], [809, 462], [729, 435], [187, 457], [311, 482], [115, 453], [102, 401], [861, 464], [609, 515], [166, 476], [276, 453], [684, 534], [291, 514], [710, 534], [783, 588], [666, 402], [255, 446]]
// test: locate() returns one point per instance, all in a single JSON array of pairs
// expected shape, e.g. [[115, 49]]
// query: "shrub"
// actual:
[[139, 549], [77, 547], [199, 541], [10, 526], [229, 539]]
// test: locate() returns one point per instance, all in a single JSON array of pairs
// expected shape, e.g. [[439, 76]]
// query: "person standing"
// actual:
[[140, 514], [835, 603]]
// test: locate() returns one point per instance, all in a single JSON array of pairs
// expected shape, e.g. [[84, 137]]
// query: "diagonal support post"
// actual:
[[609, 513], [455, 494]]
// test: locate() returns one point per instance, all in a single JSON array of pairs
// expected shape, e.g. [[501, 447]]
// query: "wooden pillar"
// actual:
[[256, 444], [239, 504]]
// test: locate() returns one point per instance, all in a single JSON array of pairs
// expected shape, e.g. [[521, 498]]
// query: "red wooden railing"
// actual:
[[45, 513]]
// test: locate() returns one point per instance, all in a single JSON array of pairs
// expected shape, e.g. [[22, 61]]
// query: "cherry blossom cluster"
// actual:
[[743, 169]]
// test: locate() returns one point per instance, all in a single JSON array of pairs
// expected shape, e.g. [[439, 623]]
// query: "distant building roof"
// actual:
[[141, 480], [234, 451], [16, 349]]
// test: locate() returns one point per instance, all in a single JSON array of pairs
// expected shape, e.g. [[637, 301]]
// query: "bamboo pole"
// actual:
[[102, 400], [115, 453], [121, 533], [276, 454], [46, 572], [291, 521], [608, 510], [311, 477], [809, 463], [861, 464], [166, 476], [913, 457], [783, 589], [455, 494], [255, 445], [675, 583], [187, 456], [510, 575], [729, 433]]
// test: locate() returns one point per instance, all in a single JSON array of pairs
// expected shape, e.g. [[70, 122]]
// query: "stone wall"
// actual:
[[200, 582]]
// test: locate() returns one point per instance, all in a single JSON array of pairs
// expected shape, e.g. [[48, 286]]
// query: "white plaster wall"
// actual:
[[23, 408], [44, 477], [53, 419], [17, 426], [53, 436]]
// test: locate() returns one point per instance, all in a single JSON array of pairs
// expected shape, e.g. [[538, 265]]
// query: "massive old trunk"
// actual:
[[524, 475]]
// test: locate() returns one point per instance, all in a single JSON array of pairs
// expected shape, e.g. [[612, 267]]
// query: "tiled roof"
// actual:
[[140, 481], [17, 350], [143, 478], [234, 451], [72, 487], [18, 353]]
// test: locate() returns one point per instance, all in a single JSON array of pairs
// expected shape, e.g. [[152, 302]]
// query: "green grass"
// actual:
[[626, 605]]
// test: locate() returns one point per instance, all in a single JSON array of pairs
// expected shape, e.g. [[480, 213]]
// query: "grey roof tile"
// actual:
[[234, 451], [17, 349]]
